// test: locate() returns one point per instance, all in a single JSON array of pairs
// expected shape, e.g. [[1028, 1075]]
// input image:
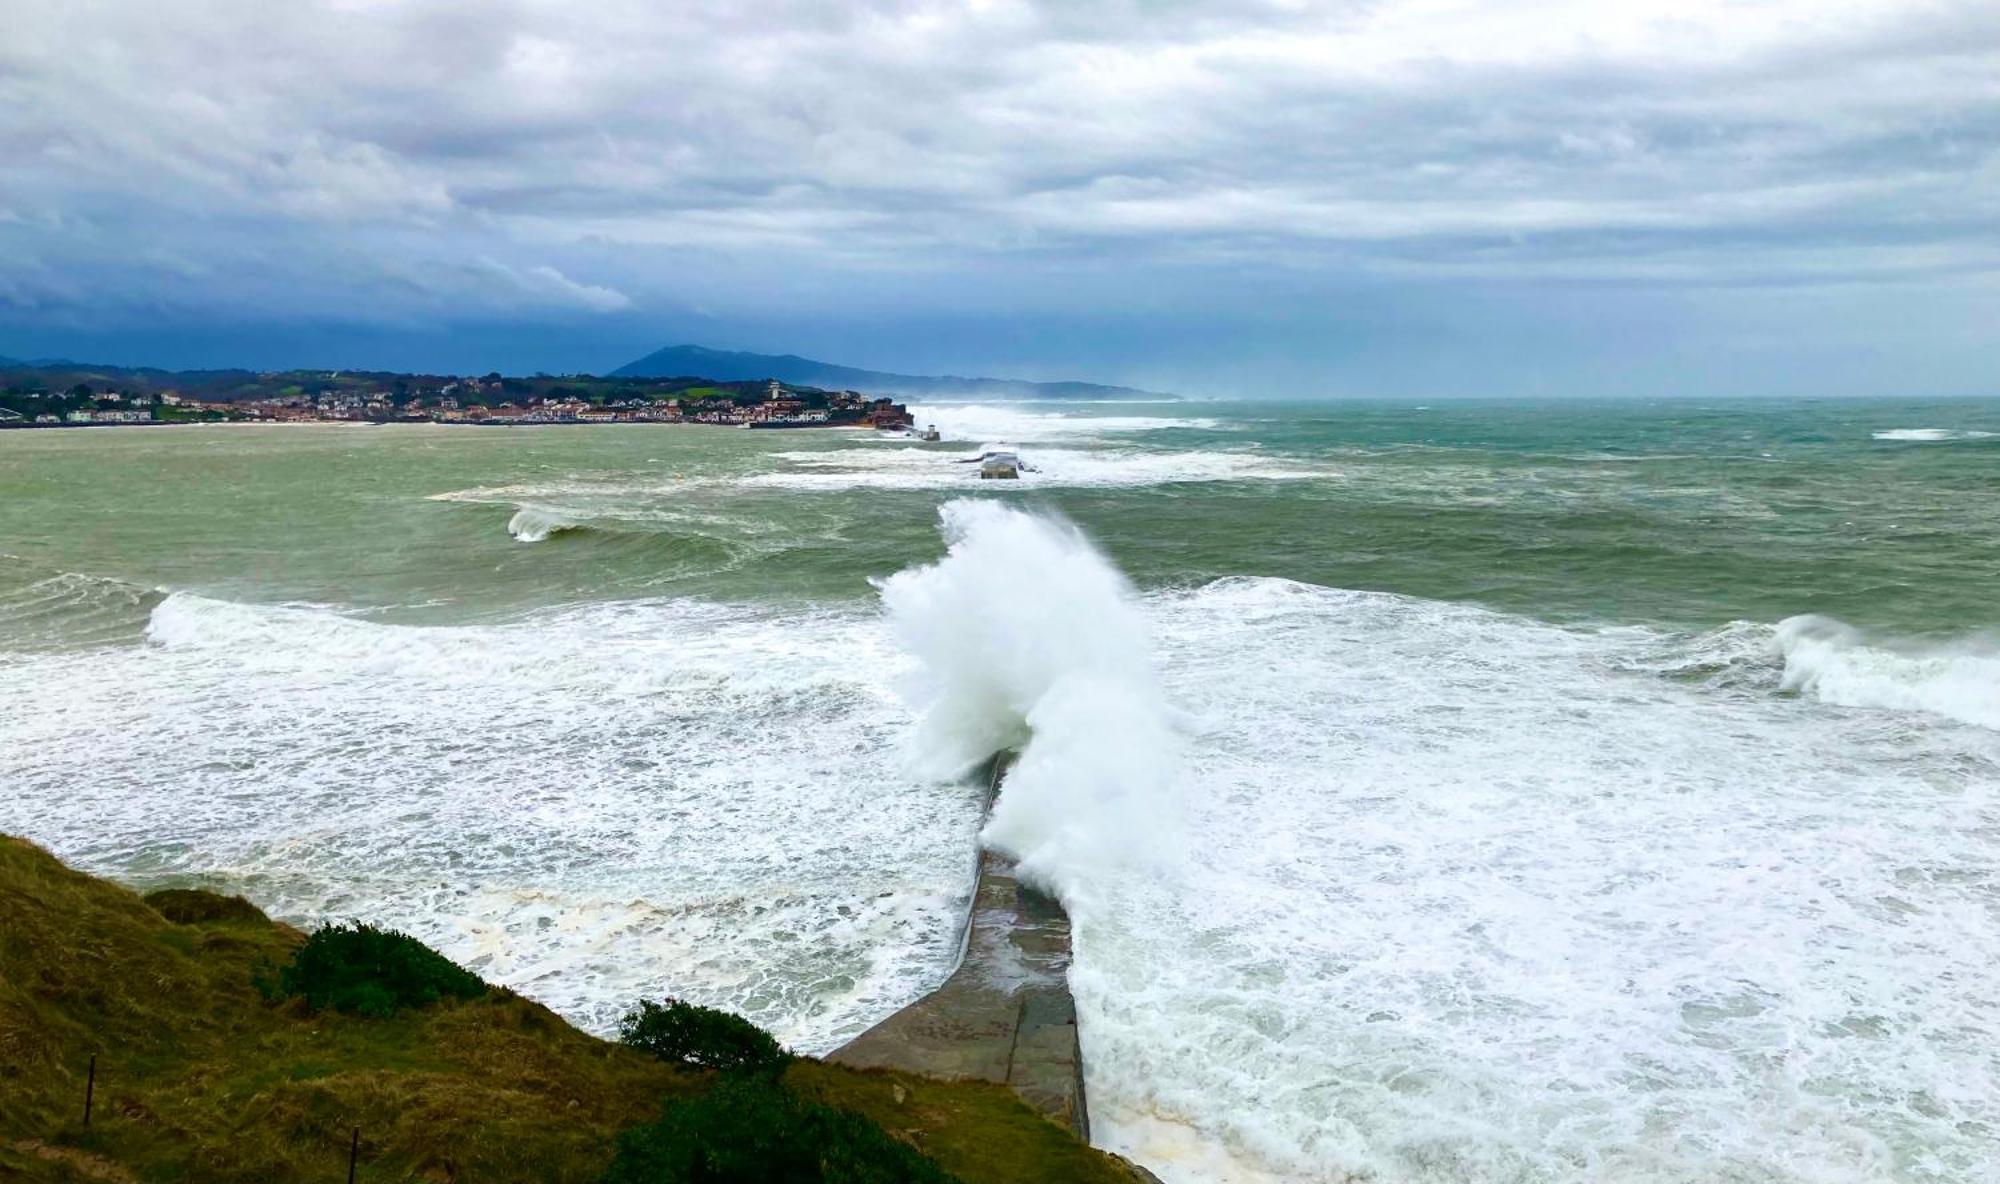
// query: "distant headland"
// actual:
[[680, 384], [60, 395], [731, 365]]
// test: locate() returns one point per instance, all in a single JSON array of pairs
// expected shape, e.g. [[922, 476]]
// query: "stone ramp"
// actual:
[[1005, 1015]]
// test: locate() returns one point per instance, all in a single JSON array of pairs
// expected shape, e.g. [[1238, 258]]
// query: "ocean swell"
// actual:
[[532, 525], [44, 610]]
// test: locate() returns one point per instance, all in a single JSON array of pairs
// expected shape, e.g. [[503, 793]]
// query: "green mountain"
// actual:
[[694, 360]]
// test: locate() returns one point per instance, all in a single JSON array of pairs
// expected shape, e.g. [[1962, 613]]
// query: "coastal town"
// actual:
[[44, 397]]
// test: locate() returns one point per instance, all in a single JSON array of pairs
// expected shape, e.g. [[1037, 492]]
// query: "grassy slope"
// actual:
[[200, 1078]]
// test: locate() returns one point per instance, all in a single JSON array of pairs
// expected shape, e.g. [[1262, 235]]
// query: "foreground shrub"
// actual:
[[750, 1130], [702, 1037], [374, 972]]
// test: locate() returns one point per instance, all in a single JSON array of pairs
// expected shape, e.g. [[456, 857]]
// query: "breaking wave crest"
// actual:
[[531, 525], [1028, 637], [1838, 664], [1830, 662]]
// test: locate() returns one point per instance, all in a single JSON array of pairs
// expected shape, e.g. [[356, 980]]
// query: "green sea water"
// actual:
[[1465, 792], [1685, 513]]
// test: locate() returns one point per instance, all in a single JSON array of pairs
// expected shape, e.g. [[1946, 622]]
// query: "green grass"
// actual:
[[749, 1129], [201, 1078], [976, 1130], [188, 906]]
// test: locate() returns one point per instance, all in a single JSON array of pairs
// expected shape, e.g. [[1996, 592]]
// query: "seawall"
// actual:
[[1005, 1014]]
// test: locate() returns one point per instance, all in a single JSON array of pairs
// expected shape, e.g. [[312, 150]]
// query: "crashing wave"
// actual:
[[1027, 637], [530, 525], [1838, 664]]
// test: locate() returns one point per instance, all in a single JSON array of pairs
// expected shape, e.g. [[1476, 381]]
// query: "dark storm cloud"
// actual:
[[421, 163]]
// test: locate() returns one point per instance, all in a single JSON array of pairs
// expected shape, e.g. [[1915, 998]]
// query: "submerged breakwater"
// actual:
[[1005, 1014]]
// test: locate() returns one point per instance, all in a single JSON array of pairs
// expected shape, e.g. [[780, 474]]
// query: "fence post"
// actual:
[[353, 1153], [89, 1089]]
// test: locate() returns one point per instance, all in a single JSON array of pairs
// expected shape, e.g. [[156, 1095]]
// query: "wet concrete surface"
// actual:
[[1005, 1015]]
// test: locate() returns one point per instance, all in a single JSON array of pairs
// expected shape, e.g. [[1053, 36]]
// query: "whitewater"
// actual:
[[1665, 856], [1363, 885], [1429, 936]]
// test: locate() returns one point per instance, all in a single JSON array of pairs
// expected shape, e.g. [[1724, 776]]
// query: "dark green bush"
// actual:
[[750, 1130], [374, 972], [701, 1037]]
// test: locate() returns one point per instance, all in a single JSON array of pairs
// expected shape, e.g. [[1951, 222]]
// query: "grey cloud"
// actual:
[[608, 156], [544, 281]]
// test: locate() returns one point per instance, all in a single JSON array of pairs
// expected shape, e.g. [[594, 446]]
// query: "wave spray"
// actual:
[[1027, 638]]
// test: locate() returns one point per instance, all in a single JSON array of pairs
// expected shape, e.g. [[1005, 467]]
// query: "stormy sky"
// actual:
[[1387, 197]]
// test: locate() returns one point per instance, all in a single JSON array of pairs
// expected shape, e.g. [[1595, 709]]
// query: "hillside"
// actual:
[[201, 1077], [679, 360]]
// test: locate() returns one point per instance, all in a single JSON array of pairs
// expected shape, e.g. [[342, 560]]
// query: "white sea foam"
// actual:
[[1472, 897], [598, 804], [910, 468], [965, 422], [1475, 900], [887, 466], [1932, 435], [1463, 896]]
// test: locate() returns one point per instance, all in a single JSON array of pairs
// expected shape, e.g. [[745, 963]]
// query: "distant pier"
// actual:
[[1005, 1015]]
